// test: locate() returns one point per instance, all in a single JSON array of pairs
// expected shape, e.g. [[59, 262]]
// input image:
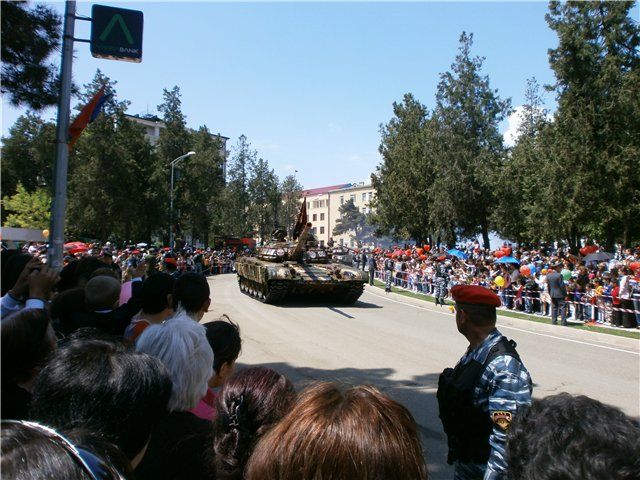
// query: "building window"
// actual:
[[364, 197], [341, 199], [370, 194], [353, 198], [313, 230], [322, 243], [315, 217], [308, 204], [322, 216], [321, 230], [342, 241]]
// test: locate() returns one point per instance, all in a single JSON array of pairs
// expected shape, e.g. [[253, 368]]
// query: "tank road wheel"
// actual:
[[241, 284], [276, 291], [352, 294]]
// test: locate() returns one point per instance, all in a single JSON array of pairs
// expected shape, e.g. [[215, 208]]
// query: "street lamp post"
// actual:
[[173, 164]]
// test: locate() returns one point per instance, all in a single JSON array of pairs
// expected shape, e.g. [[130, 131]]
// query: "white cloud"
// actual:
[[513, 123]]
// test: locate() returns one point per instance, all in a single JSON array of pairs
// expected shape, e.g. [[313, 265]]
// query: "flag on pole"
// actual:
[[301, 221], [87, 115]]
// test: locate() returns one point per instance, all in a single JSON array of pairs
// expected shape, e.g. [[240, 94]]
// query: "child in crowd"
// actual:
[[224, 338]]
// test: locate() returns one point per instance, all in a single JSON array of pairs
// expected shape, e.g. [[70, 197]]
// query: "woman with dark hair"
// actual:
[[94, 382], [36, 452], [357, 434], [251, 402], [224, 339], [27, 340]]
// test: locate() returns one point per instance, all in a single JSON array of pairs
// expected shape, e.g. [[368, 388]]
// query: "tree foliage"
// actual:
[[351, 220], [111, 187], [236, 220], [28, 209], [28, 154], [264, 198], [402, 181], [469, 146], [29, 37], [291, 193], [597, 124]]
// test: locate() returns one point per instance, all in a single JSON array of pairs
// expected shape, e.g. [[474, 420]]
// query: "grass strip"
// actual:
[[523, 316]]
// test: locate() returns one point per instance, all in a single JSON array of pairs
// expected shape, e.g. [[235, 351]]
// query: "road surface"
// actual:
[[400, 345]]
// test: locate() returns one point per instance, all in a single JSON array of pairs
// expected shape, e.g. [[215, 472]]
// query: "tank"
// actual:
[[282, 269]]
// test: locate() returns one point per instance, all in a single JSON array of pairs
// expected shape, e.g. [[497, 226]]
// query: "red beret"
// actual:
[[170, 261], [475, 295]]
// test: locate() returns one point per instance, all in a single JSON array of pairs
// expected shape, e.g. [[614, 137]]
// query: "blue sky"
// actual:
[[310, 83]]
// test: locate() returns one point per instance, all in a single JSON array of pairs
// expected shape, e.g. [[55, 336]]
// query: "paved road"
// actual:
[[400, 345]]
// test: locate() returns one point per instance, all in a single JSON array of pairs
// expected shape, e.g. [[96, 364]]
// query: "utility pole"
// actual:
[[59, 204]]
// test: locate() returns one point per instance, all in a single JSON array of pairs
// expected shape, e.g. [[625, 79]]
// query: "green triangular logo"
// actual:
[[117, 18]]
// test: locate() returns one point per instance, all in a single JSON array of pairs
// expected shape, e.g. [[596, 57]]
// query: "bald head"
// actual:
[[102, 293]]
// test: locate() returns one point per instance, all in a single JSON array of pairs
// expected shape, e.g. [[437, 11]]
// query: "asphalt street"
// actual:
[[400, 345]]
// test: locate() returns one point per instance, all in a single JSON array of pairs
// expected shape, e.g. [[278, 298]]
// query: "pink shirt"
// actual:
[[206, 409]]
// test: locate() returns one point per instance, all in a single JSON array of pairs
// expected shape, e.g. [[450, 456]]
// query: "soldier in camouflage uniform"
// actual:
[[479, 398], [442, 278]]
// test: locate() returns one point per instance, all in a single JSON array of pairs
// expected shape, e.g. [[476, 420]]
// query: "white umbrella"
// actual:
[[141, 244]]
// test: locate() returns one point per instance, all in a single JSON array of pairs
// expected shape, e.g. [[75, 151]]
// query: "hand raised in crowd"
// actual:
[[22, 283], [41, 282]]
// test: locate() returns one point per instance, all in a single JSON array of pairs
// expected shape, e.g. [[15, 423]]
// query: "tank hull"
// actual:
[[272, 282]]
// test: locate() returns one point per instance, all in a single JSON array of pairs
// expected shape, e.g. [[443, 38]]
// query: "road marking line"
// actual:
[[512, 328]]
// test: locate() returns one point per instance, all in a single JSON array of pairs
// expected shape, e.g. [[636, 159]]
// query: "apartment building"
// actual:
[[323, 206]]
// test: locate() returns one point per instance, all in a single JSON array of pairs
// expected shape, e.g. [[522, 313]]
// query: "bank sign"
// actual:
[[116, 33]]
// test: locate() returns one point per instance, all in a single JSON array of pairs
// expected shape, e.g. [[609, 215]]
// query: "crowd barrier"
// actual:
[[602, 305]]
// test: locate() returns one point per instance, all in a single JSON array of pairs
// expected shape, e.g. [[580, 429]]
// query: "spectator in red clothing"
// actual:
[[616, 317]]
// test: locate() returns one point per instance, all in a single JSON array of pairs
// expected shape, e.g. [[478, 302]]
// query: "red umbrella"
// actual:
[[135, 252], [78, 250], [70, 245], [166, 249]]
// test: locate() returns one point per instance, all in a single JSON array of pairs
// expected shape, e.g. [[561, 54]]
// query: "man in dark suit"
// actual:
[[558, 293]]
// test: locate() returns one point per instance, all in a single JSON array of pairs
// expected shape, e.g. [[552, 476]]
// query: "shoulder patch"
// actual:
[[502, 419]]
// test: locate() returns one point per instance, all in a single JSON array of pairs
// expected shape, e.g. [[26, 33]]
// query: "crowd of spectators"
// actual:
[[603, 291], [102, 383]]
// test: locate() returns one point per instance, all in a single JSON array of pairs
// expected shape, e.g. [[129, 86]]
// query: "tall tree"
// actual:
[[175, 140], [110, 178], [521, 205], [351, 220], [265, 198], [291, 192], [469, 147], [29, 37], [596, 65], [236, 221], [203, 183], [402, 180]]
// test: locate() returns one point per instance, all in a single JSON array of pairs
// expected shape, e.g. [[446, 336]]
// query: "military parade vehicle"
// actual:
[[281, 269]]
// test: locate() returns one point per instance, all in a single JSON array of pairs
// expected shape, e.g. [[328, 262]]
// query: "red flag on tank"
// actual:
[[87, 115], [301, 221]]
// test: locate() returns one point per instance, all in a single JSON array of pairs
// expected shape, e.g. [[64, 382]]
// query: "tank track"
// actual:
[[274, 292], [353, 293]]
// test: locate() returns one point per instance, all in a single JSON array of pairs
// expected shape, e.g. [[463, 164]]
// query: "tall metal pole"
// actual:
[[171, 210], [56, 243]]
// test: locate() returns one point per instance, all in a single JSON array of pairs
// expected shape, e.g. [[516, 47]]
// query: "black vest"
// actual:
[[467, 427]]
